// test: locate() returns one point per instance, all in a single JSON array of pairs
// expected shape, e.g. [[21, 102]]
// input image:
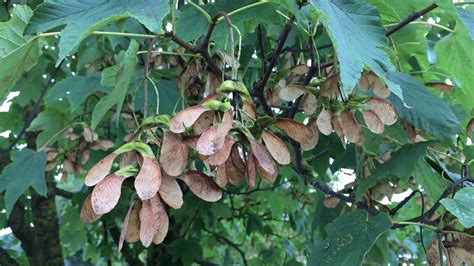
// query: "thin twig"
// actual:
[[230, 243], [414, 16]]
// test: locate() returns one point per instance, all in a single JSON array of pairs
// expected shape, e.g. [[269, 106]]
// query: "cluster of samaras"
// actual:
[[233, 143]]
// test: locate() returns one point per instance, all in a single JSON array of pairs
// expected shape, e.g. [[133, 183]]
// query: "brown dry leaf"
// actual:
[[324, 122], [266, 167], [151, 219], [235, 167], [349, 125], [148, 180], [106, 193], [170, 192], [440, 86], [329, 88], [331, 202], [203, 122], [221, 176], [373, 122], [249, 109], [311, 144], [276, 147], [251, 171], [202, 186], [384, 109], [469, 128], [123, 232], [309, 104], [186, 118], [132, 234], [100, 170], [291, 92], [295, 130], [222, 154], [213, 138], [174, 154], [87, 213], [162, 230], [300, 69]]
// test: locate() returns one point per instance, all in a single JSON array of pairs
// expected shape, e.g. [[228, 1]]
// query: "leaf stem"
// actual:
[[434, 228], [202, 11], [238, 10], [108, 33]]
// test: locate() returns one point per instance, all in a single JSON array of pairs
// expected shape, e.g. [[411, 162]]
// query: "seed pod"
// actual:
[[235, 167], [170, 192], [203, 122], [106, 193], [276, 147], [295, 130], [221, 176], [87, 213], [329, 88], [123, 232], [383, 109], [132, 234], [151, 219], [222, 154], [213, 138], [291, 92], [148, 180], [324, 122], [251, 170], [202, 186], [265, 165], [373, 122], [186, 118], [162, 230], [309, 104], [311, 144], [349, 125], [100, 170], [174, 154]]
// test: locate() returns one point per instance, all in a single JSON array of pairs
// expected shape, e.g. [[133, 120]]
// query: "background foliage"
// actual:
[[373, 192]]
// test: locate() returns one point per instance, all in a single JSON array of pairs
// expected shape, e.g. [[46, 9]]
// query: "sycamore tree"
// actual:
[[279, 132]]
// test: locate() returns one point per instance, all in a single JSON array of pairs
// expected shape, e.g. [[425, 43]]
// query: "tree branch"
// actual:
[[424, 218], [259, 88], [414, 16], [230, 243]]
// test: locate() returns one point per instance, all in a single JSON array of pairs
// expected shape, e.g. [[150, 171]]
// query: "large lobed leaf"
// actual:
[[26, 170], [462, 206], [17, 53], [76, 89], [82, 18], [118, 76], [358, 38], [402, 164], [424, 109], [350, 237]]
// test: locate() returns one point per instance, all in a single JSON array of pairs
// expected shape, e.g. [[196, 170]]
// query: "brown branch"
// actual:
[[425, 217], [259, 88], [414, 16]]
